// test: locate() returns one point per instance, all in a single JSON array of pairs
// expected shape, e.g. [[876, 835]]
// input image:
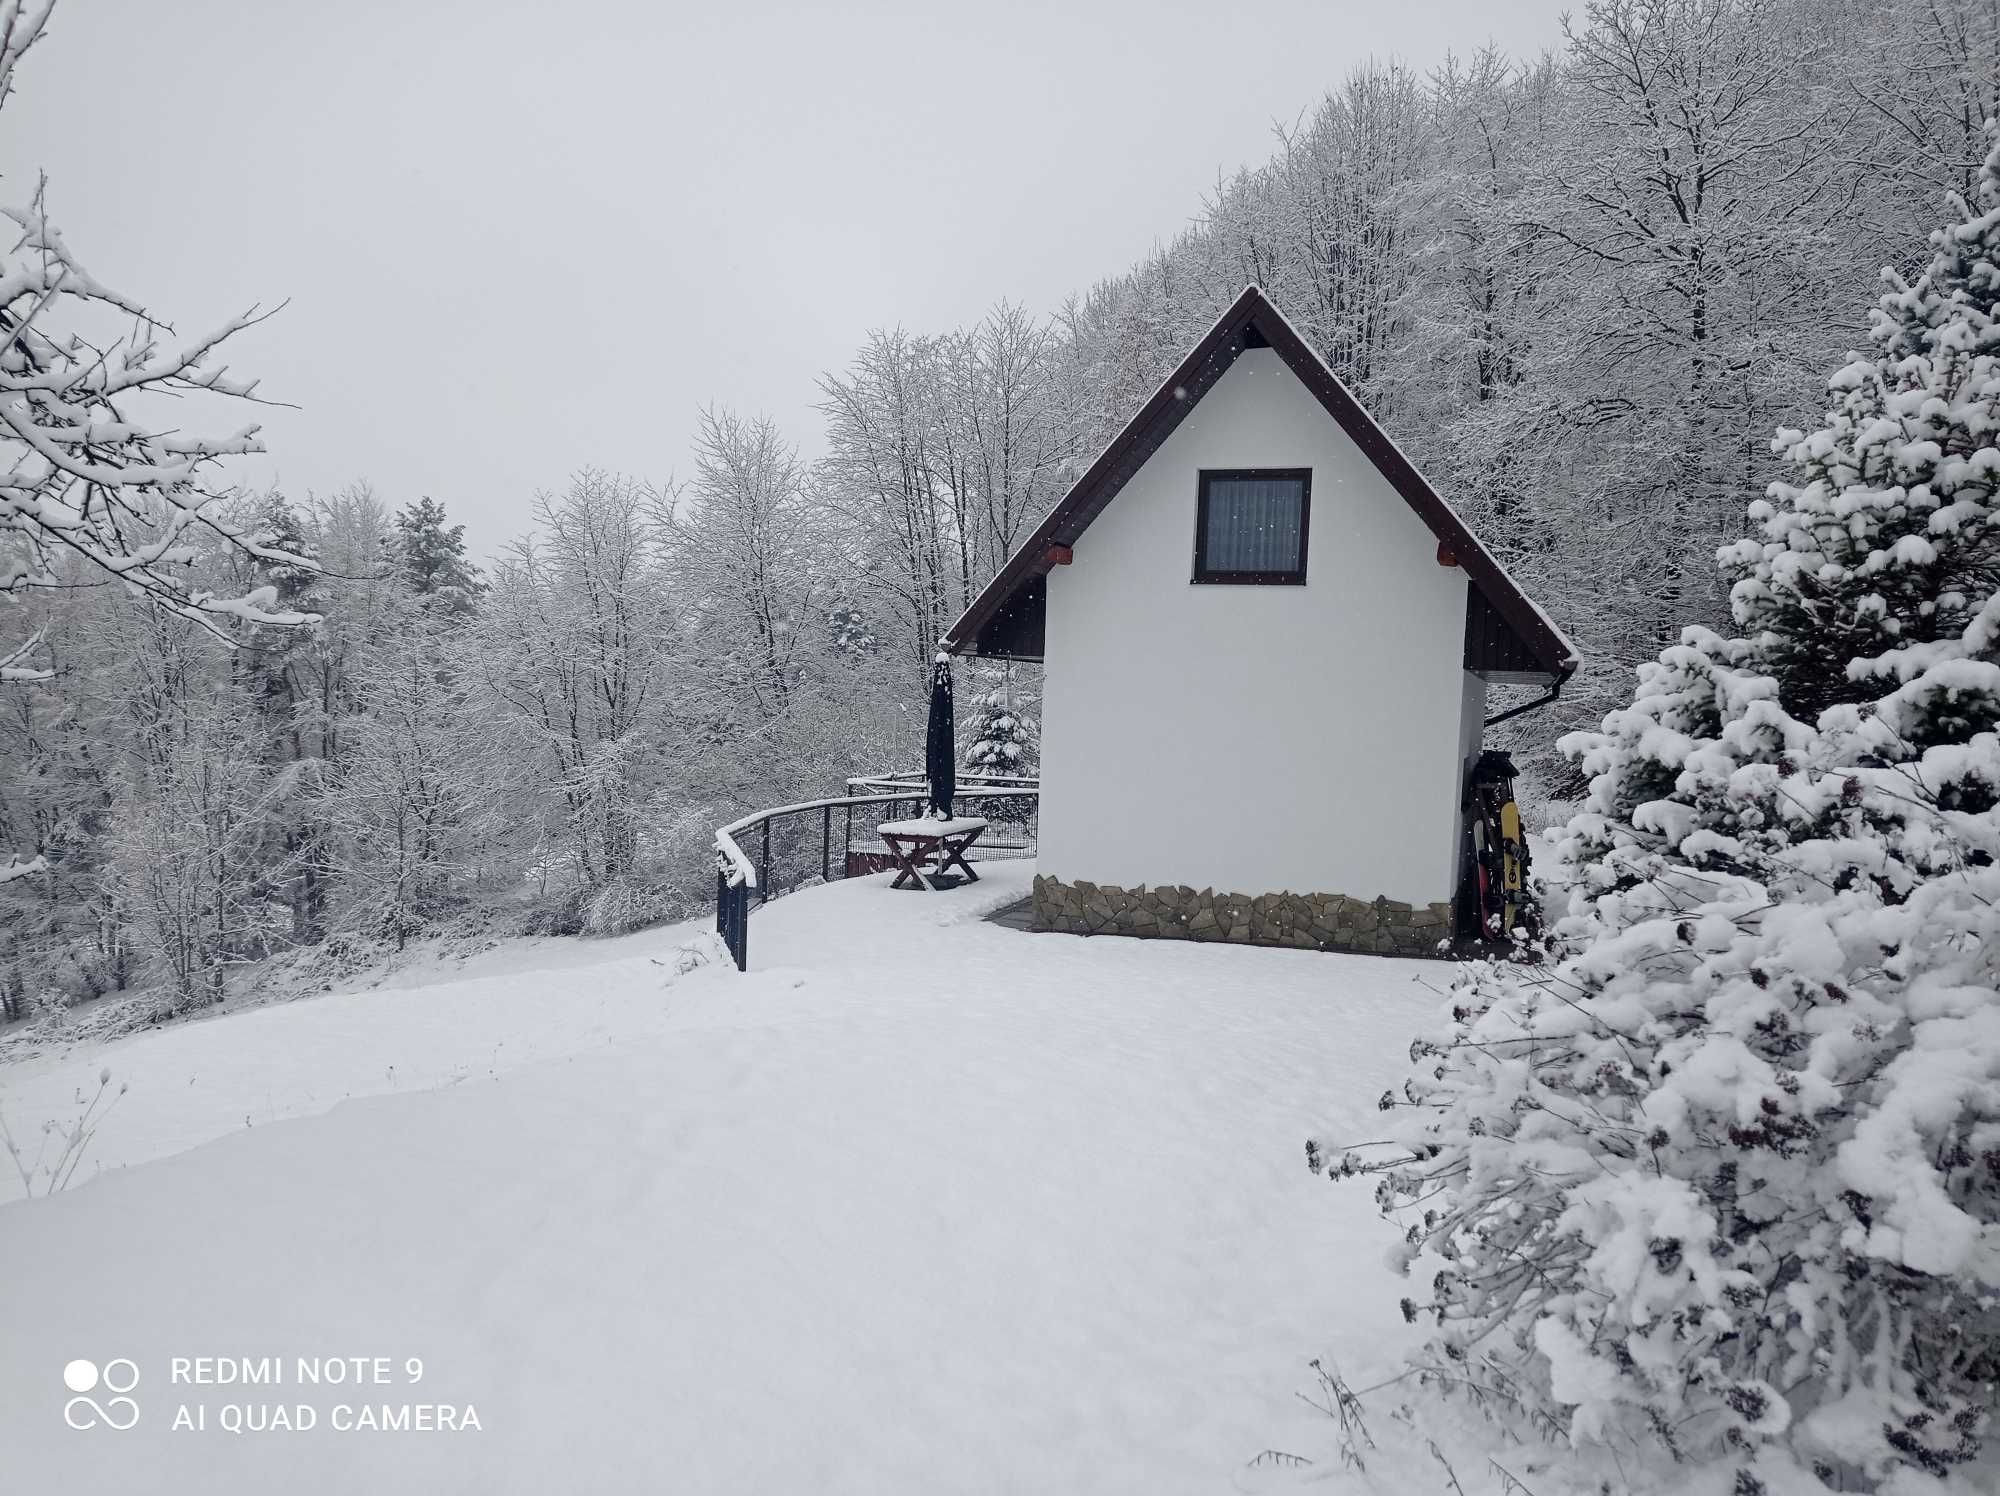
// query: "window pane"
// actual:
[[1253, 524]]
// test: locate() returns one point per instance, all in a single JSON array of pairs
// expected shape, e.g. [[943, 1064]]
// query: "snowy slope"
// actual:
[[921, 1204], [430, 1024]]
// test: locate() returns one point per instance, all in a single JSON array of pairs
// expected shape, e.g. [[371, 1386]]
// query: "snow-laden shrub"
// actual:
[[1721, 1167], [629, 904], [1733, 1164]]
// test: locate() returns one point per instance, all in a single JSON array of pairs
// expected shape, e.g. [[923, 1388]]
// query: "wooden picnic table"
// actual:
[[926, 843]]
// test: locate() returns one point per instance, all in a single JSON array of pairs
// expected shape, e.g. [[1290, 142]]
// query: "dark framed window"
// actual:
[[1250, 526]]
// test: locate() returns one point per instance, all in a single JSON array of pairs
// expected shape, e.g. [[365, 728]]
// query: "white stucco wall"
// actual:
[[1257, 739]]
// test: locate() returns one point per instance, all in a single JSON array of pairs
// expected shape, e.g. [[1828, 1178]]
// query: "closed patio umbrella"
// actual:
[[940, 741]]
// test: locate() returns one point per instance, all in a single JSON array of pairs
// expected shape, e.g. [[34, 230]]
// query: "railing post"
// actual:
[[764, 877], [847, 845], [826, 844], [732, 908]]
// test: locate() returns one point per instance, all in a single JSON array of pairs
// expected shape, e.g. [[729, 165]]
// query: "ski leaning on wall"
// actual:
[[1499, 851]]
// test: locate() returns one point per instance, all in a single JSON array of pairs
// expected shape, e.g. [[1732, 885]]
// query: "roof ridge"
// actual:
[[1134, 444]]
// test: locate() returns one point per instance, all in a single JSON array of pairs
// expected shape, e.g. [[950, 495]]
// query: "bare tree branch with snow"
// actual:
[[82, 473]]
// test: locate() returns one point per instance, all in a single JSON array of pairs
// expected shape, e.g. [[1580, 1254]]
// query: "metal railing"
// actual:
[[880, 784], [775, 852], [1004, 808]]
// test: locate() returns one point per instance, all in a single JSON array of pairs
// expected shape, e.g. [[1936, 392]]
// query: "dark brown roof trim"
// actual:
[[1252, 322]]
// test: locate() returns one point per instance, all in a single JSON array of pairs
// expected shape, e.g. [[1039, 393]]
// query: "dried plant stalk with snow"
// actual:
[[60, 1146]]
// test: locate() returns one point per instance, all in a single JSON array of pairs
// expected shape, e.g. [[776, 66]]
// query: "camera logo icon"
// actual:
[[118, 1377]]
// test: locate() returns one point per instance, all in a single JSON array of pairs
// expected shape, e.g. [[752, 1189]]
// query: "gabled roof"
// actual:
[[1252, 322]]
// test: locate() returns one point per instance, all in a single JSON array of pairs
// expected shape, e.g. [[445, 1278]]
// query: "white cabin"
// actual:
[[1266, 642]]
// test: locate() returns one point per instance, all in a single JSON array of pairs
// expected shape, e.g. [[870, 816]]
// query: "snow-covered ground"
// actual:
[[433, 1021], [921, 1204]]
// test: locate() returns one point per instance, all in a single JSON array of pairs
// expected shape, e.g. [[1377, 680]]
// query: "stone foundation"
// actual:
[[1304, 921]]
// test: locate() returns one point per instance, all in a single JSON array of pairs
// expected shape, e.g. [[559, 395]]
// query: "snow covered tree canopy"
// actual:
[[83, 477], [1724, 1172]]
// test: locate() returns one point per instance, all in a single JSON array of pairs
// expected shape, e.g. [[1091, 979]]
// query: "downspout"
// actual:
[[1555, 690]]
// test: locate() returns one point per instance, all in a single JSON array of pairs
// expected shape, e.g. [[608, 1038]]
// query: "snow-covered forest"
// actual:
[[1580, 289], [1693, 1182]]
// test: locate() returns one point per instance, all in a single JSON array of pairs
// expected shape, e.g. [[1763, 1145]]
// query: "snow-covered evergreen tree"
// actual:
[[1725, 1170], [848, 633], [1887, 535], [428, 557], [1004, 738]]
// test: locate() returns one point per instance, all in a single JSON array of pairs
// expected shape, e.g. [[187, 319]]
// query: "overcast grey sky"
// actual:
[[518, 237]]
